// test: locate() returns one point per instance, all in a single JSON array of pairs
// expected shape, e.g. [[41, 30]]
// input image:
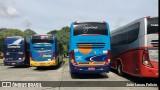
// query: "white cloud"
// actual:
[[7, 9]]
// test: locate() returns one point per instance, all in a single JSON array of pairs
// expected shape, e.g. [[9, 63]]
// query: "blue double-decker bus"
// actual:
[[15, 51], [89, 47], [43, 51]]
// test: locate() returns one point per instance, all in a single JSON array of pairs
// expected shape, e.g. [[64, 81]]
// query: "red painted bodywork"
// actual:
[[131, 61]]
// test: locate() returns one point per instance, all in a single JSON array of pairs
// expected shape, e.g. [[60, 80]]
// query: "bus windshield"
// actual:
[[14, 44], [152, 26], [90, 29], [42, 39]]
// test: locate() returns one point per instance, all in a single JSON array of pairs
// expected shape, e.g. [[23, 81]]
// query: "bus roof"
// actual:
[[87, 22], [14, 37], [44, 35], [137, 20]]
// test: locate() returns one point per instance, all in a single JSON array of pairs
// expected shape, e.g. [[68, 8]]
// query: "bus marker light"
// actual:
[[148, 17], [109, 60]]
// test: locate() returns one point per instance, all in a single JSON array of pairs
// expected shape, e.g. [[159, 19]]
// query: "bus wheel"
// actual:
[[119, 69], [58, 62]]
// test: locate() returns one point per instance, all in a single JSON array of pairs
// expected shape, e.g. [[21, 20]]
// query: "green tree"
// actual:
[[9, 32], [2, 29], [62, 37], [52, 32], [28, 32]]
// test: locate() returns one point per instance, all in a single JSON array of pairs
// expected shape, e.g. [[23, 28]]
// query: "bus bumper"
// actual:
[[149, 72], [43, 63], [85, 69], [14, 63]]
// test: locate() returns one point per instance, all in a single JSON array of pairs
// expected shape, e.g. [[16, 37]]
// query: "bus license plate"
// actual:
[[13, 63], [91, 68], [42, 64]]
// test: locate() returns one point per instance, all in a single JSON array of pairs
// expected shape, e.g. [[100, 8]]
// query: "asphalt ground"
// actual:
[[62, 77]]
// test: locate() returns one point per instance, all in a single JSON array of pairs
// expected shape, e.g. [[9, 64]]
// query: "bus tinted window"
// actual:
[[126, 35], [42, 39], [14, 41], [14, 44], [133, 32], [152, 26], [90, 28]]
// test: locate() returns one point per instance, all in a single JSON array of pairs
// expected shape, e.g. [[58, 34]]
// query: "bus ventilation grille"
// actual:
[[90, 45], [83, 62], [155, 43]]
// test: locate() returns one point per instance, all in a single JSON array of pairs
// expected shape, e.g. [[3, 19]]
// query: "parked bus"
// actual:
[[135, 48], [89, 47], [43, 51], [15, 52]]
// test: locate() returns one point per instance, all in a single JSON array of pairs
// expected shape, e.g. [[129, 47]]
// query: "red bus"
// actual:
[[134, 48]]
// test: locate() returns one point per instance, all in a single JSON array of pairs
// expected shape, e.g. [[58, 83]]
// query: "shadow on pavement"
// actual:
[[50, 68], [137, 79], [88, 76], [16, 67]]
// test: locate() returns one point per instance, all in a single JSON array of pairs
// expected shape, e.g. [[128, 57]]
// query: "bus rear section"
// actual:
[[14, 51], [43, 51], [150, 53], [135, 48], [89, 47]]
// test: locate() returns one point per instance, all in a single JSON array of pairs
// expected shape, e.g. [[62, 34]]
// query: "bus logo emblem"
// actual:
[[86, 28]]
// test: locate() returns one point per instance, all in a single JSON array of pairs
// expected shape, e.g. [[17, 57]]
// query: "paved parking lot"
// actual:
[[61, 73]]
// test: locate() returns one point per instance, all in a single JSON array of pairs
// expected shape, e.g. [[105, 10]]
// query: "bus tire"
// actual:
[[119, 69], [58, 61]]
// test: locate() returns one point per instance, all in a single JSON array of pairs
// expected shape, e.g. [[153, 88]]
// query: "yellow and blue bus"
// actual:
[[43, 51], [89, 47]]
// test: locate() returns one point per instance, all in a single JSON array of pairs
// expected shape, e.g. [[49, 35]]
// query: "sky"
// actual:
[[43, 16]]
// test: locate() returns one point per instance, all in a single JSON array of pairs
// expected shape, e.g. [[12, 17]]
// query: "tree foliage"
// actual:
[[8, 32], [62, 37], [52, 32], [4, 32], [28, 33]]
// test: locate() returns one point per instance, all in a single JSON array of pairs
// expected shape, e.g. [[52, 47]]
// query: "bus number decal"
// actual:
[[46, 56]]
